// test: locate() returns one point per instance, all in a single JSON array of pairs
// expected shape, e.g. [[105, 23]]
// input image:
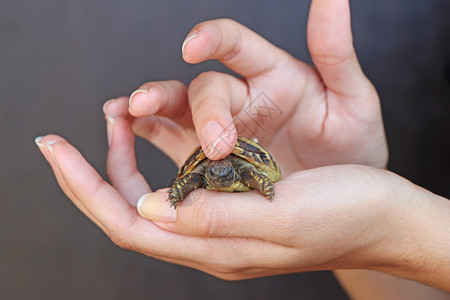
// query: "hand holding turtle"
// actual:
[[316, 221]]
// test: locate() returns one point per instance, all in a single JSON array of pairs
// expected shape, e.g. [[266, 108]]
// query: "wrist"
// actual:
[[417, 244]]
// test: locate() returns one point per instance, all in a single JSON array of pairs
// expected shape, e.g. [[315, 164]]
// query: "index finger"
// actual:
[[233, 44]]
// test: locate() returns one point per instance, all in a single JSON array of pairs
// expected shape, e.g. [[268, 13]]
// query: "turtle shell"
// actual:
[[245, 149], [255, 154]]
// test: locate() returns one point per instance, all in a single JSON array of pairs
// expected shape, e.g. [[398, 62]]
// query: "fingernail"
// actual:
[[153, 206], [141, 90], [106, 104], [109, 128], [190, 36], [216, 138], [38, 141], [49, 145]]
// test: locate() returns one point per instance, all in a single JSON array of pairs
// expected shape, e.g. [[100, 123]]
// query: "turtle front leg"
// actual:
[[254, 179], [183, 186]]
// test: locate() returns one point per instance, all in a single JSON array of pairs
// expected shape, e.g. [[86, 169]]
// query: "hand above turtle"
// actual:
[[323, 218], [305, 117]]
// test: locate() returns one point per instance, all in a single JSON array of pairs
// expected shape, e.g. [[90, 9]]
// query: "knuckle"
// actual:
[[209, 92], [205, 219], [226, 34], [228, 276], [203, 108], [205, 78], [229, 21], [120, 240], [331, 60], [210, 222], [232, 49], [121, 235], [218, 26], [226, 268], [231, 39], [223, 270], [225, 273], [228, 273]]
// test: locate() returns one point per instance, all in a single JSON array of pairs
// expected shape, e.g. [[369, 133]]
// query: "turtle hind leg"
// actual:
[[254, 179], [183, 186]]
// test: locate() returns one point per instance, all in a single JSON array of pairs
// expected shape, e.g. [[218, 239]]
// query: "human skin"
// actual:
[[334, 104], [337, 110], [335, 217]]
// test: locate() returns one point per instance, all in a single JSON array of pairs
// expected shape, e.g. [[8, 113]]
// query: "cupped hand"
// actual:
[[345, 216], [305, 116], [315, 221]]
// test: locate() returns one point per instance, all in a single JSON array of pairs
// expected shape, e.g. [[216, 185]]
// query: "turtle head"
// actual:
[[220, 173]]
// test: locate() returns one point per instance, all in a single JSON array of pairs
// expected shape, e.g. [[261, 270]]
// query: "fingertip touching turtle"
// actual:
[[248, 167]]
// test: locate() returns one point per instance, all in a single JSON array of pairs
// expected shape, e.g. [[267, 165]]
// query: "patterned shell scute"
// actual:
[[253, 152], [256, 155], [193, 160], [245, 149]]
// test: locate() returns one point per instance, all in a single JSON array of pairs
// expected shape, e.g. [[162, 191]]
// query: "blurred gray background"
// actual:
[[60, 60]]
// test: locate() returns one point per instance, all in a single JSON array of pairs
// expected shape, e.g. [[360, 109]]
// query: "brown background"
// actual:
[[60, 60]]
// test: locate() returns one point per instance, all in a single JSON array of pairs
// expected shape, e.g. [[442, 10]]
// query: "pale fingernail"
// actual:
[[190, 36], [38, 141], [217, 139], [109, 128], [143, 90], [49, 145], [153, 206], [106, 104]]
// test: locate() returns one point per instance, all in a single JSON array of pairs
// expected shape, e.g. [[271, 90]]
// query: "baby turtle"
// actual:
[[248, 167]]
